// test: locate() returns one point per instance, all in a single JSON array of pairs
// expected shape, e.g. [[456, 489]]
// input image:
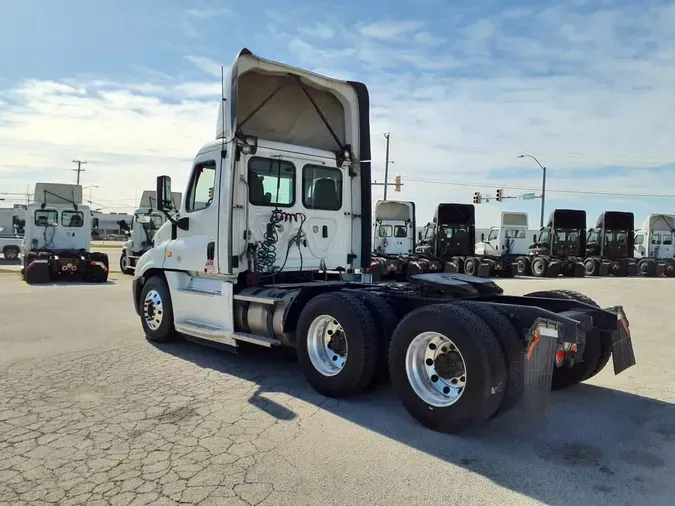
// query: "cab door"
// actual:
[[195, 250]]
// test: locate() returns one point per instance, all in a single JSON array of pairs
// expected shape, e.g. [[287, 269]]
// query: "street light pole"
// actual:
[[543, 187]]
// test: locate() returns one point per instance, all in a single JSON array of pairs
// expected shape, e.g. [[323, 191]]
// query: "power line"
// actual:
[[559, 190]]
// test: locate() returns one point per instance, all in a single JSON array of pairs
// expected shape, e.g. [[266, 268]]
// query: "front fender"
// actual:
[[152, 259]]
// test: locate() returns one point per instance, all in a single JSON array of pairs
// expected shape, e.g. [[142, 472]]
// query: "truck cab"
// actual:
[[512, 237], [57, 239], [609, 245], [146, 222], [653, 245], [394, 228], [561, 245]]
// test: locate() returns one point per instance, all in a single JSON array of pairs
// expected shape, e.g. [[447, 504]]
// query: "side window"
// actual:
[[322, 188], [400, 231], [544, 237], [667, 239], [385, 231], [157, 220], [46, 217], [200, 194], [429, 233], [656, 238], [592, 237], [639, 239], [72, 218], [493, 235], [271, 182]]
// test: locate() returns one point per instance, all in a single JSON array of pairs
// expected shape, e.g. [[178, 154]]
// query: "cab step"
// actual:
[[218, 335]]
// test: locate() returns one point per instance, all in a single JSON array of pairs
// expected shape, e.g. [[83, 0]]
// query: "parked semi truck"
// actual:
[[653, 246], [609, 246], [57, 238], [271, 244], [560, 247], [145, 224], [510, 241]]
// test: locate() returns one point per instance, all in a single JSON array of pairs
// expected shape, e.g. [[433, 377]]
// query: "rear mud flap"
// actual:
[[660, 268], [483, 270], [605, 268], [579, 270], [542, 342], [623, 355], [553, 270]]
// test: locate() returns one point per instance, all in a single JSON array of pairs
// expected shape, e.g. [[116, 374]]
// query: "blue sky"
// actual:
[[132, 87]]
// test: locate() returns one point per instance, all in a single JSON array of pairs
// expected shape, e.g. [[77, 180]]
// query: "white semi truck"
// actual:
[[57, 238], [510, 241], [654, 248], [270, 247], [145, 224], [394, 228]]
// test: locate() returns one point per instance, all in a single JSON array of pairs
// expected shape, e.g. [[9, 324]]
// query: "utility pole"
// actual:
[[79, 169], [543, 187], [386, 167]]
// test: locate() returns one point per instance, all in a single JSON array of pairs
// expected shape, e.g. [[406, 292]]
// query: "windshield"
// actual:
[[566, 241], [454, 240]]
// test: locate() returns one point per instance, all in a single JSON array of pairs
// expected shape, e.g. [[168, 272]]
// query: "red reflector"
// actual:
[[559, 356]]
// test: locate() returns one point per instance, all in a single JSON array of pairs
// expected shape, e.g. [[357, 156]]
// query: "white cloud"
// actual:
[[389, 29], [207, 65]]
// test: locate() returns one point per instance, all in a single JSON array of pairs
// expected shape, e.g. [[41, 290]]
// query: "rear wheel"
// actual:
[[471, 266], [157, 311], [337, 344], [97, 268], [539, 267], [647, 267], [597, 349], [591, 266], [513, 351], [523, 266], [446, 367]]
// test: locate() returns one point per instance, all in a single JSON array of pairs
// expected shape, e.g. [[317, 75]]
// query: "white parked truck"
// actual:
[[394, 228], [57, 238], [271, 243], [654, 248], [145, 224], [510, 241]]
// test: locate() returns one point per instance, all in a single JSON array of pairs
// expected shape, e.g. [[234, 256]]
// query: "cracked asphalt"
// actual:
[[91, 413]]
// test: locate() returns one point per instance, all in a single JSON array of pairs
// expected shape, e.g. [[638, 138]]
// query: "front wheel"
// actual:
[[591, 266], [523, 266], [539, 267], [124, 264], [11, 253], [157, 311]]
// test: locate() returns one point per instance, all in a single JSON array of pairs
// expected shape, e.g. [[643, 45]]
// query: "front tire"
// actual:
[[446, 367], [11, 253], [124, 263], [156, 311], [337, 344], [523, 266], [591, 266], [539, 267]]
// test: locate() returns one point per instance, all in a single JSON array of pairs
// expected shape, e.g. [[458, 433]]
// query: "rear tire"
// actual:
[[523, 266], [471, 266], [539, 267], [355, 349], [647, 267], [96, 273], [385, 323], [591, 266], [513, 351], [156, 311], [484, 372]]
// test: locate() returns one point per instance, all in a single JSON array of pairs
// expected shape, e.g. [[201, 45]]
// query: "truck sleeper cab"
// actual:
[[510, 242], [561, 245], [57, 245], [653, 246], [269, 247], [609, 246], [145, 224]]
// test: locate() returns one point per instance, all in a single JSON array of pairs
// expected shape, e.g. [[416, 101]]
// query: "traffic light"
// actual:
[[500, 195], [476, 197], [397, 184]]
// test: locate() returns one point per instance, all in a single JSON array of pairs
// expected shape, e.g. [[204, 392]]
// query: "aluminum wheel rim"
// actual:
[[153, 310], [124, 262], [428, 372], [537, 266], [324, 333]]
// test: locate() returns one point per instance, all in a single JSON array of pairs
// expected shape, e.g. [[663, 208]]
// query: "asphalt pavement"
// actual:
[[91, 413]]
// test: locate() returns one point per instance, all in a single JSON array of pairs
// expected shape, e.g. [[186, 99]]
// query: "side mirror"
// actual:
[[419, 235], [143, 218], [164, 193], [94, 223], [534, 238], [482, 236]]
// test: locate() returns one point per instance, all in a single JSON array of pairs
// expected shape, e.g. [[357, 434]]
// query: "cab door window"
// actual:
[[202, 185], [492, 236]]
